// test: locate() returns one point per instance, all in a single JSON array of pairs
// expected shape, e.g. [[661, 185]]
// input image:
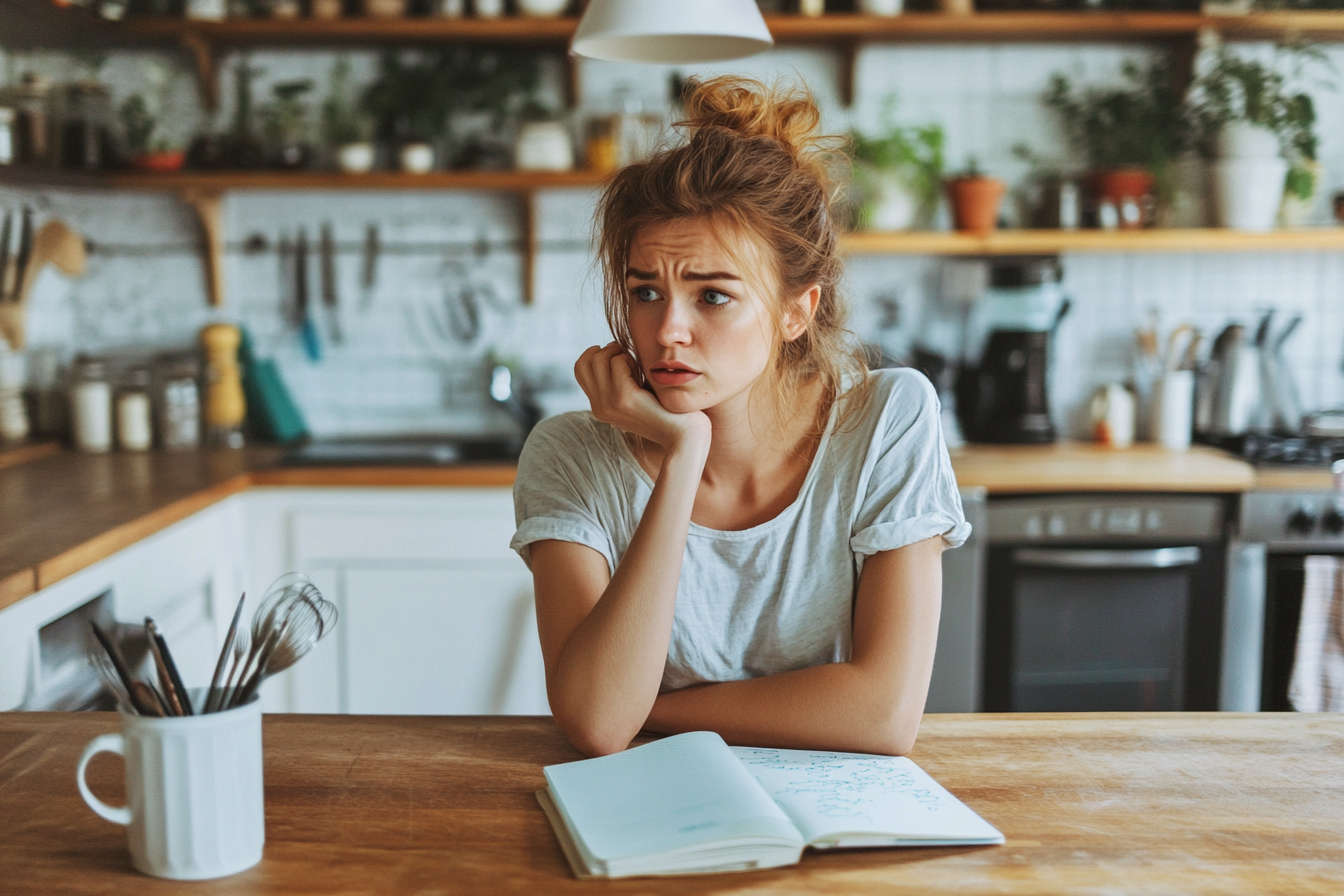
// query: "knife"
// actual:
[[368, 275], [327, 252], [307, 329], [25, 252], [4, 255]]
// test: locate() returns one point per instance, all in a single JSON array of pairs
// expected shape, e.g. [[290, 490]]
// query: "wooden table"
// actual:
[[1106, 803]]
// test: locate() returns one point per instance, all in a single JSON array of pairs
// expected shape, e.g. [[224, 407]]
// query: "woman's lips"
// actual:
[[674, 375]]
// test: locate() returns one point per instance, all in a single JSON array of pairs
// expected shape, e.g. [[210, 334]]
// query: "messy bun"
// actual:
[[754, 161]]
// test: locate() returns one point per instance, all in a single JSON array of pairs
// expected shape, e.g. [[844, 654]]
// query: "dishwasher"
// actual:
[[1104, 602]]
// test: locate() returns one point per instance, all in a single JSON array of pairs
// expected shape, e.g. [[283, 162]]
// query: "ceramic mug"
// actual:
[[194, 803]]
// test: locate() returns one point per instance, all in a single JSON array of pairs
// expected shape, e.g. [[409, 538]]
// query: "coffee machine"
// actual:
[[1002, 390]]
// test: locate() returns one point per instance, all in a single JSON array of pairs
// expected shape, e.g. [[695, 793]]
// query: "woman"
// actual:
[[744, 535]]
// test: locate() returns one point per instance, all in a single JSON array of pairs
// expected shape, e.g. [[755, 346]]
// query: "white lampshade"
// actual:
[[671, 31]]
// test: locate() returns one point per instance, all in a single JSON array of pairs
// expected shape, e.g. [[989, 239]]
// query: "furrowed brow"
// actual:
[[712, 275], [632, 274]]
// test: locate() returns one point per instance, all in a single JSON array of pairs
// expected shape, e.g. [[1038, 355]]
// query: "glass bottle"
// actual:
[[85, 127], [134, 431], [91, 406], [32, 120], [6, 135], [179, 400]]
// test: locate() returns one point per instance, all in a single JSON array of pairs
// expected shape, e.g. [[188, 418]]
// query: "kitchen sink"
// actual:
[[402, 452]]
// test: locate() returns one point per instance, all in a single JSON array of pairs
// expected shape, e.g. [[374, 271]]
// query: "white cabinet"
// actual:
[[436, 613]]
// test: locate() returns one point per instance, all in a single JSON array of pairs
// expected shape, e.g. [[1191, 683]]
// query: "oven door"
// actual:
[[1096, 628]]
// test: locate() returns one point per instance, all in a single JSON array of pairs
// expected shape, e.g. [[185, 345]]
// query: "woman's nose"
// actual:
[[674, 328]]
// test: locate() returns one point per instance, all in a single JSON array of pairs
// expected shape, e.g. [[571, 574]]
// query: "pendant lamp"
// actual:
[[671, 31]]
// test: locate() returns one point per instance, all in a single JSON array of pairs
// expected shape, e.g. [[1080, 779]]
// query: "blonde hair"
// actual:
[[754, 163]]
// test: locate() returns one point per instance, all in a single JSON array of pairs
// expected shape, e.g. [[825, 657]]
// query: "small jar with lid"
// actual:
[[179, 401], [32, 120], [91, 405], [13, 377], [134, 430], [6, 135]]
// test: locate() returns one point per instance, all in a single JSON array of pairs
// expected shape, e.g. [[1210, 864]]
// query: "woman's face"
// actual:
[[698, 312]]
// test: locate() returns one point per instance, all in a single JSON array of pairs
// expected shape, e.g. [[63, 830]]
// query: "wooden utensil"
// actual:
[[54, 244]]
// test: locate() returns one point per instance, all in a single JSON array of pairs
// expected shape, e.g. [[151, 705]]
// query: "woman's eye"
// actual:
[[714, 297], [645, 294]]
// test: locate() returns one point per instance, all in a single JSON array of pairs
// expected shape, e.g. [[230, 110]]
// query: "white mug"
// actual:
[[194, 802]]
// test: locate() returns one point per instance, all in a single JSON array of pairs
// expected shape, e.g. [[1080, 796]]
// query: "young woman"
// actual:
[[744, 536]]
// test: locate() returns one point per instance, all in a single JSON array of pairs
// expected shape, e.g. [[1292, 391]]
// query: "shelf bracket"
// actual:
[[207, 75], [206, 204]]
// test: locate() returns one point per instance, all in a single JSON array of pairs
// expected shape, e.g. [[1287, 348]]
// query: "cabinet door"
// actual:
[[443, 641]]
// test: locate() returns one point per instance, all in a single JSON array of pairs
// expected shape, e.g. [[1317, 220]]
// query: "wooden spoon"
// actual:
[[54, 244]]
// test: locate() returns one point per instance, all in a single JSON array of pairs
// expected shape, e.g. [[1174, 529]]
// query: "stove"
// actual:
[[1297, 451]]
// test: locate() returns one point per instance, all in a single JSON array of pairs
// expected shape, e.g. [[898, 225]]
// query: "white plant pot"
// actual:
[[881, 7], [416, 158], [1243, 140], [547, 8], [895, 207], [355, 158], [544, 146], [1249, 192]]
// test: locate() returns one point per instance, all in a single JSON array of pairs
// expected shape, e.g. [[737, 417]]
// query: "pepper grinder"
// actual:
[[225, 406]]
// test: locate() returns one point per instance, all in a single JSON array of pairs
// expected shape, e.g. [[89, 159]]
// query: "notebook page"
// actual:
[[839, 799], [671, 794]]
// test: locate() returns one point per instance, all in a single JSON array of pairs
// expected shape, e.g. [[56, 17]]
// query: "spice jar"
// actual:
[[13, 414], [179, 403], [91, 406], [134, 432], [46, 390], [85, 127], [32, 120], [6, 135]]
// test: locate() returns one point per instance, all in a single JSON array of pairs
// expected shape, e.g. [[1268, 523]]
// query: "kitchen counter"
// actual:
[[1115, 803], [1088, 467], [61, 511]]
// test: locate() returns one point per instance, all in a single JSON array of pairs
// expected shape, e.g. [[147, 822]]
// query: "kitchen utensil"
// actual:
[[291, 597], [1178, 347], [6, 237], [162, 653], [166, 684], [327, 255], [194, 798], [368, 269], [25, 255], [1234, 385], [1284, 411], [229, 638], [307, 618], [54, 244], [148, 699], [108, 674], [312, 345], [123, 671]]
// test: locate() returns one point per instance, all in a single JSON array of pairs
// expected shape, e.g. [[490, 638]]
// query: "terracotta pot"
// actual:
[[1130, 190], [160, 161], [975, 203]]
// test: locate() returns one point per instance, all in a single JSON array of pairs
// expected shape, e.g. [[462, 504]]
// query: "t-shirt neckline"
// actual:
[[628, 457]]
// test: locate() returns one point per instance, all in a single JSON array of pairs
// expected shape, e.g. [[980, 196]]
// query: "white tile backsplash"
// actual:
[[400, 367]]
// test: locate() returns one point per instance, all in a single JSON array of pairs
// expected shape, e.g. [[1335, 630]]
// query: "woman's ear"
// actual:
[[800, 311]]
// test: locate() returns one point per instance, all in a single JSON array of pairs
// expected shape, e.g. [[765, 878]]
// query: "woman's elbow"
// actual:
[[592, 736], [895, 736]]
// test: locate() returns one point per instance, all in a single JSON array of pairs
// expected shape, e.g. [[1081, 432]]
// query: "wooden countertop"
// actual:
[[65, 511], [1083, 466], [1107, 803]]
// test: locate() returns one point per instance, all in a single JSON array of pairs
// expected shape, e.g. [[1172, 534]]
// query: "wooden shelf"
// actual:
[[791, 29], [508, 181], [1031, 242]]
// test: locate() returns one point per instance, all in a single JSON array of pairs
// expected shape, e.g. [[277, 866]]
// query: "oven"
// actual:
[[1105, 603], [1284, 528]]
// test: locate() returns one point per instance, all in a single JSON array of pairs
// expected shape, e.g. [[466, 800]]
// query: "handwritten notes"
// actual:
[[847, 799]]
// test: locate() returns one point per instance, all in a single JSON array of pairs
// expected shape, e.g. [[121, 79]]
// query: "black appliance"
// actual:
[[1104, 603], [1004, 398]]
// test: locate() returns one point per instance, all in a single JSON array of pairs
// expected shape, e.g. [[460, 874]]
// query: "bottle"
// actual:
[[46, 386], [32, 121], [225, 406], [179, 401], [6, 135], [91, 406], [13, 377], [134, 432]]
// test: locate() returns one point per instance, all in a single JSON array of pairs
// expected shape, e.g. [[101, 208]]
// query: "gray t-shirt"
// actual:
[[778, 596]]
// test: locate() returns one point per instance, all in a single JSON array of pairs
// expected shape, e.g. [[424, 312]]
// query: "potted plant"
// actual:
[[975, 199], [1131, 136], [285, 122], [1262, 134], [147, 146], [897, 174], [346, 129], [409, 105]]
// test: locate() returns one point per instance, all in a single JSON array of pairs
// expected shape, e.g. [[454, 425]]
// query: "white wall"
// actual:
[[394, 372]]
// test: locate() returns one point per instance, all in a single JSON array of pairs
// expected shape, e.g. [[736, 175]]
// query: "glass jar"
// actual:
[[86, 117], [134, 431], [32, 120], [6, 135], [91, 405], [46, 391], [179, 400], [13, 377]]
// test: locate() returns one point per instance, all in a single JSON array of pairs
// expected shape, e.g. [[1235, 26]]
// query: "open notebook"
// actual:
[[690, 804]]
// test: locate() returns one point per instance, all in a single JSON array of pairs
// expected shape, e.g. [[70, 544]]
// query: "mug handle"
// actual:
[[103, 743]]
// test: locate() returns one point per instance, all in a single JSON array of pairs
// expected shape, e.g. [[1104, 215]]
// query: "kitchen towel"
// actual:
[[1318, 669]]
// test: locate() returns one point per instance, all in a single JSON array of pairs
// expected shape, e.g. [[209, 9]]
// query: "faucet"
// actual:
[[514, 399]]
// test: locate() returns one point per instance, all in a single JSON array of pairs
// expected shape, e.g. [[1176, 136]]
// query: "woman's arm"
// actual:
[[604, 639], [871, 704]]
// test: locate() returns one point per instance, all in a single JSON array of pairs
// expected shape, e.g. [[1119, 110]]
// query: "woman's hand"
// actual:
[[607, 376]]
